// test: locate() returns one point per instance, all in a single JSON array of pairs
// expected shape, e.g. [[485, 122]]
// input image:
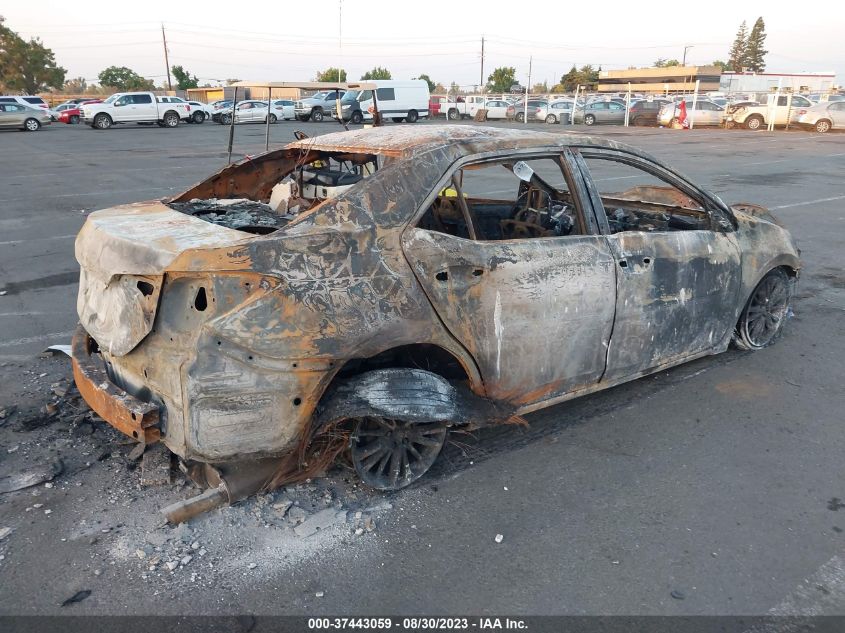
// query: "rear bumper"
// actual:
[[123, 411]]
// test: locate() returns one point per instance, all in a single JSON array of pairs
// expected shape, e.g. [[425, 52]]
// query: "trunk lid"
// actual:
[[123, 253]]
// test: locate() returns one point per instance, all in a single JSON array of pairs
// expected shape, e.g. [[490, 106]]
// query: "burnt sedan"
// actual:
[[379, 287]]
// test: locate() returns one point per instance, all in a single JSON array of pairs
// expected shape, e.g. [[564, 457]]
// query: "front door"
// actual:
[[519, 276], [677, 263]]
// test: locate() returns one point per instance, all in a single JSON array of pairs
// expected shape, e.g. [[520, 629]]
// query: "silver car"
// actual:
[[21, 117], [823, 117], [705, 113], [601, 112]]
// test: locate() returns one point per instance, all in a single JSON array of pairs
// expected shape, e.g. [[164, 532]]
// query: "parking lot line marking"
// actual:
[[92, 193], [36, 239], [34, 339], [807, 203]]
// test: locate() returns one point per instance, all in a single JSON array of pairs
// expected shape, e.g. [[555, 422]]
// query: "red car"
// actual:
[[70, 115], [434, 105]]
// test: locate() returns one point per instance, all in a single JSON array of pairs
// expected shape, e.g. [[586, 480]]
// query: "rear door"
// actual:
[[532, 304], [677, 263], [836, 111]]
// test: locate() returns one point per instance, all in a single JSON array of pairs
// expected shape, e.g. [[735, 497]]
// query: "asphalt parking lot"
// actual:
[[719, 480]]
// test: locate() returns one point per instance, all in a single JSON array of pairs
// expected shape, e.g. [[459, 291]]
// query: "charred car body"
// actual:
[[378, 281]]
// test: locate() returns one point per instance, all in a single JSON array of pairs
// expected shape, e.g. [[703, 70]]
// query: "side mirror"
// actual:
[[522, 171]]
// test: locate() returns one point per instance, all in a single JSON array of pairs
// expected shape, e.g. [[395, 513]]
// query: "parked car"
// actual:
[[199, 112], [134, 107], [249, 111], [26, 100], [517, 110], [496, 109], [284, 109], [318, 106], [645, 112], [558, 111], [823, 117], [788, 108], [23, 117], [705, 114], [68, 113], [397, 100], [221, 104], [599, 112], [384, 315]]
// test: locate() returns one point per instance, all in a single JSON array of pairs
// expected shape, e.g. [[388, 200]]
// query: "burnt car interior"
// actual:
[[538, 204], [305, 182], [647, 204]]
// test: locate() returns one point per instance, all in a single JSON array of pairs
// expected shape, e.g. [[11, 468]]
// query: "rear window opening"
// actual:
[[305, 187]]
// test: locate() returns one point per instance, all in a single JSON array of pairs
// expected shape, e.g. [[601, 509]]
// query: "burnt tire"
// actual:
[[390, 454], [317, 115], [822, 126], [763, 318], [754, 122], [102, 122]]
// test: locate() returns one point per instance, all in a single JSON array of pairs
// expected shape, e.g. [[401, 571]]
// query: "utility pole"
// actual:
[[686, 48], [481, 83], [339, 37], [166, 59]]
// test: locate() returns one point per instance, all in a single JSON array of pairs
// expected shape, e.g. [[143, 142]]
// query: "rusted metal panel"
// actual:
[[124, 412]]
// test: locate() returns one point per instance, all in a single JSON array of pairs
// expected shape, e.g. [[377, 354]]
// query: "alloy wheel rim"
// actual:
[[766, 311]]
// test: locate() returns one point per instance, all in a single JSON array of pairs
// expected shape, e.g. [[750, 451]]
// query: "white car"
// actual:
[[199, 111], [250, 111], [559, 111], [134, 107], [496, 109], [284, 109], [25, 100], [187, 115]]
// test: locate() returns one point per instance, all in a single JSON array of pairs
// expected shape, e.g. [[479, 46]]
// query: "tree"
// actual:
[[427, 79], [542, 88], [501, 79], [331, 74], [231, 81], [454, 88], [666, 63], [122, 78], [722, 66], [587, 77], [184, 80], [77, 85], [439, 88], [736, 56], [27, 66], [377, 73], [755, 54]]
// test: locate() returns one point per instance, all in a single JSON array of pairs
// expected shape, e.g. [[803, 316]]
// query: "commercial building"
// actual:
[[207, 95], [666, 80], [767, 82]]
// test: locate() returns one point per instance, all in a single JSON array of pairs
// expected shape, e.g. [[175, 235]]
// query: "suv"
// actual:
[[317, 106], [27, 100], [645, 112]]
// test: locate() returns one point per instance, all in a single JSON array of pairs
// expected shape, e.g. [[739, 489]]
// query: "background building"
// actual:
[[767, 82], [671, 79]]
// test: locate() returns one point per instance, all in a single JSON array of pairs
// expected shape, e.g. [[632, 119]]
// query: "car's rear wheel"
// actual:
[[31, 125], [754, 122], [822, 126], [453, 115], [397, 119], [765, 314], [273, 118], [390, 454], [171, 119], [412, 116], [198, 117], [520, 117], [551, 119], [590, 119], [317, 115], [102, 121]]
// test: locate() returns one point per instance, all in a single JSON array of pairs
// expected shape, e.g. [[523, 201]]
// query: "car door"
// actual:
[[677, 263], [836, 111], [534, 310], [9, 116], [615, 112], [144, 107]]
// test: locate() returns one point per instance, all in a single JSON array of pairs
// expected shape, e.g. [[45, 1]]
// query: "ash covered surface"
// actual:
[[238, 213]]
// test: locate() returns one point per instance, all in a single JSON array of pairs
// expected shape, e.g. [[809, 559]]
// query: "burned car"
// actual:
[[384, 286]]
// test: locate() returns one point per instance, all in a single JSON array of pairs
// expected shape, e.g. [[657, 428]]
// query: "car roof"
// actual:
[[408, 140]]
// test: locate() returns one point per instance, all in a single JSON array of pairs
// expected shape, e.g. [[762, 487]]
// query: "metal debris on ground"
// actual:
[[155, 466], [30, 478], [235, 213], [79, 596]]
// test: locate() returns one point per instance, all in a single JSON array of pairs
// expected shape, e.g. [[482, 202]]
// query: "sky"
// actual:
[[282, 41]]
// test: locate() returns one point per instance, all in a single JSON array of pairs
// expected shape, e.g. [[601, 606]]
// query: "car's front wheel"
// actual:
[[198, 117], [391, 454], [766, 312], [357, 117], [520, 117], [31, 125], [412, 116], [102, 121], [590, 119], [226, 119], [453, 115], [317, 116], [551, 119], [74, 119], [754, 122]]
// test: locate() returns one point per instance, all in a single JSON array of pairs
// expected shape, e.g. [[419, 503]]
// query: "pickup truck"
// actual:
[[318, 106], [134, 107], [755, 117], [459, 107]]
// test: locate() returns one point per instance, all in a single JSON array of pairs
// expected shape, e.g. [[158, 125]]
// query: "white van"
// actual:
[[397, 101]]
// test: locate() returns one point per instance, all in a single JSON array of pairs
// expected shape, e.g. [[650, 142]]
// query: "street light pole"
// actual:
[[686, 48]]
